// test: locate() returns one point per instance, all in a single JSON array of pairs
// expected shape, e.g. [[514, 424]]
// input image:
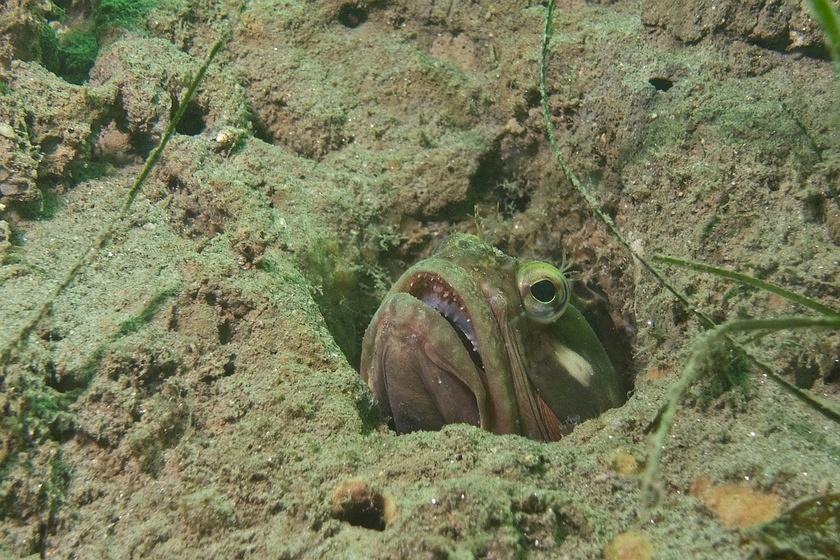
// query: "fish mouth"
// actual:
[[437, 293]]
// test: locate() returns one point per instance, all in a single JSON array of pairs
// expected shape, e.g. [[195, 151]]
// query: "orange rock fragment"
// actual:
[[624, 463], [658, 373], [737, 506], [631, 545]]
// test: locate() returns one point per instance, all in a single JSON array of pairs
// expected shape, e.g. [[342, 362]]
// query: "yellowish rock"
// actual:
[[737, 506], [624, 463], [632, 545]]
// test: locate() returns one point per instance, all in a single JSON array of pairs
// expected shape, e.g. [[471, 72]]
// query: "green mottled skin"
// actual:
[[535, 377]]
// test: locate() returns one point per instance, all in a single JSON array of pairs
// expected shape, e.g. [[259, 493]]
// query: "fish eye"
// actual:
[[544, 291]]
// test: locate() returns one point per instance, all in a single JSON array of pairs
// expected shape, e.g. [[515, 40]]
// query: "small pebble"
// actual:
[[7, 131]]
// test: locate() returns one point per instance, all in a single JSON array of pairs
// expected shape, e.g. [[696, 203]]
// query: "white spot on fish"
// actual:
[[575, 364]]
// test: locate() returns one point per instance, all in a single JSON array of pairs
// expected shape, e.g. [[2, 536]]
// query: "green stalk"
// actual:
[[108, 231], [748, 281], [829, 20], [590, 199], [693, 370], [715, 332]]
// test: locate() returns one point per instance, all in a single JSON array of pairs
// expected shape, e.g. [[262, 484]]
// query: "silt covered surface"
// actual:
[[193, 392]]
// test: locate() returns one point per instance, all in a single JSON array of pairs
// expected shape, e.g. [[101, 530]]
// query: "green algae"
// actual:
[[829, 20], [716, 343], [33, 412], [274, 466], [339, 287], [128, 14], [38, 403], [704, 358], [715, 348], [207, 510], [808, 531], [72, 53], [109, 230]]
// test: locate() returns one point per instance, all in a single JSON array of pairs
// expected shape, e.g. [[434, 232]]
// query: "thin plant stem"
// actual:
[[748, 281], [694, 369], [108, 231], [829, 20], [705, 321]]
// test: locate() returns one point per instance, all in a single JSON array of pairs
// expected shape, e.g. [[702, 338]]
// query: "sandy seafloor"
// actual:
[[193, 393]]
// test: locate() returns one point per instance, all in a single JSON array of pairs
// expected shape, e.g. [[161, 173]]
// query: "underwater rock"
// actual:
[[61, 117], [150, 75], [782, 26], [5, 234], [735, 505], [18, 158], [18, 33], [232, 443], [206, 511]]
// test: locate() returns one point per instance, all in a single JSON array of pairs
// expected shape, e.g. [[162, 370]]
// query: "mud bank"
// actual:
[[193, 392]]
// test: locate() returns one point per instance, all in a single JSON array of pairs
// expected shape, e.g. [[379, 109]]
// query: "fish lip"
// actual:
[[435, 292]]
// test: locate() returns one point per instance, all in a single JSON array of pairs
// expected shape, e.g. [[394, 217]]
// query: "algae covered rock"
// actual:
[[150, 75], [5, 234], [62, 118], [783, 26], [18, 158], [19, 30]]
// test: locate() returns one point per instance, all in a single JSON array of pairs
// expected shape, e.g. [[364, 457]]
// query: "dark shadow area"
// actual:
[[661, 84], [354, 502], [192, 123], [44, 209], [261, 131], [352, 16]]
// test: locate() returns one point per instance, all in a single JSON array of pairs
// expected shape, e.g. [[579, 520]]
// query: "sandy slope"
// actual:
[[193, 392]]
